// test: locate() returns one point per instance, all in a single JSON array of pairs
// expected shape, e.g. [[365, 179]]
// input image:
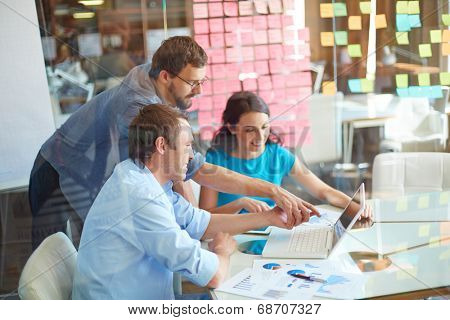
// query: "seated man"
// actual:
[[149, 230]]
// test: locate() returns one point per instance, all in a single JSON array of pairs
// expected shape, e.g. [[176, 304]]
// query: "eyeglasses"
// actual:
[[195, 83]]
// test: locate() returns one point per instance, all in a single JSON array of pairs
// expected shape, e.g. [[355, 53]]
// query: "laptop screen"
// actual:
[[350, 214]]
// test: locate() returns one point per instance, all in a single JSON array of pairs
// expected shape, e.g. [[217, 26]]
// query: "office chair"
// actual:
[[48, 273]]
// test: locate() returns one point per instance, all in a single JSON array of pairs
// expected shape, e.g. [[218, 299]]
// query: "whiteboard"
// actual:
[[26, 119]]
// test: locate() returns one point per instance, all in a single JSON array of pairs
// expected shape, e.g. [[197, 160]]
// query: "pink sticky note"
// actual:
[[204, 116], [217, 40], [275, 66], [202, 103], [207, 88], [261, 52], [201, 26], [217, 112], [250, 85], [304, 50], [219, 86], [292, 94], [217, 55], [247, 67], [260, 22], [232, 70], [303, 79], [303, 34], [274, 21], [216, 25], [234, 85], [230, 9], [245, 8], [266, 95], [260, 37], [232, 54], [264, 83], [248, 54], [261, 67], [230, 39], [276, 51], [287, 21], [246, 37], [298, 65], [261, 6], [278, 81], [275, 6], [230, 24], [219, 101], [202, 40], [289, 50], [289, 35], [200, 10], [218, 71], [288, 4], [279, 94], [215, 9], [246, 23], [208, 70], [275, 36]]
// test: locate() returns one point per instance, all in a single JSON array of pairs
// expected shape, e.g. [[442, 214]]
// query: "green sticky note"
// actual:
[[413, 7], [401, 205], [341, 38], [446, 19], [444, 198], [424, 79], [424, 230], [340, 9], [444, 78], [402, 7], [423, 202], [367, 85], [354, 50], [401, 80], [425, 50], [436, 36], [364, 6], [402, 37]]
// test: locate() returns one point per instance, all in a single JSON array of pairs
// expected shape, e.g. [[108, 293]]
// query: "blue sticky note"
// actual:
[[414, 21], [436, 92], [355, 85], [403, 92], [415, 91], [402, 21]]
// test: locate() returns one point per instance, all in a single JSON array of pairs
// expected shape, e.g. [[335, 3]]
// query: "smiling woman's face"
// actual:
[[252, 132]]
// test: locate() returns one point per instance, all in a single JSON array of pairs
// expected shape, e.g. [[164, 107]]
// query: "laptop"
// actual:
[[315, 241]]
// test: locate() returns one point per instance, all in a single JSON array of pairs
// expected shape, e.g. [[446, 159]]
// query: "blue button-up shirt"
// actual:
[[137, 233], [86, 148]]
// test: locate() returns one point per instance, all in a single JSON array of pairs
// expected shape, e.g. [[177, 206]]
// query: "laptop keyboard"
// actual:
[[308, 240]]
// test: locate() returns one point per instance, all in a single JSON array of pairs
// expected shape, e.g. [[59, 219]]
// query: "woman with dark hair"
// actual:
[[246, 143]]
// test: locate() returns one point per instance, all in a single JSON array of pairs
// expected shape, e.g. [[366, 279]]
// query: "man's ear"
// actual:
[[160, 144], [164, 76]]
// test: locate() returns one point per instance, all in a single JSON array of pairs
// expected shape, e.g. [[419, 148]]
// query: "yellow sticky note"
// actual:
[[446, 35], [367, 85], [328, 88], [380, 21], [444, 198], [402, 205], [401, 80], [424, 230], [364, 6], [424, 79], [446, 19], [354, 50], [435, 36], [327, 39], [446, 49], [326, 10], [434, 242], [402, 37], [425, 50], [413, 7], [402, 7], [354, 23], [423, 202]]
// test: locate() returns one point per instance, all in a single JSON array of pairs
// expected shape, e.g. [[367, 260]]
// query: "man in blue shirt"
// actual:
[[74, 163], [149, 230]]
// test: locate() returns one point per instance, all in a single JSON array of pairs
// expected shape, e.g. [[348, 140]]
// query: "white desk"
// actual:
[[417, 269]]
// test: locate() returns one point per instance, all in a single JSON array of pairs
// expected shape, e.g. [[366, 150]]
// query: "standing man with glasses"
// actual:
[[74, 163]]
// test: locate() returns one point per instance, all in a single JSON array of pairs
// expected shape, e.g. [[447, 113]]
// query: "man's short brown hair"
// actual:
[[153, 121], [176, 53]]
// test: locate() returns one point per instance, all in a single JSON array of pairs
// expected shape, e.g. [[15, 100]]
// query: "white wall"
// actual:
[[26, 119]]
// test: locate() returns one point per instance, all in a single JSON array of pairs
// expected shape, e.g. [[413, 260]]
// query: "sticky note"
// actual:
[[402, 37], [424, 230], [341, 38], [401, 80], [200, 10], [446, 19], [402, 22], [446, 35], [326, 10], [327, 39], [401, 205], [328, 88], [435, 36], [355, 85], [245, 8], [436, 92], [354, 23], [446, 49], [364, 6], [413, 7], [434, 242], [424, 79], [354, 50], [340, 9], [215, 9], [367, 85], [230, 9], [414, 21], [261, 6], [402, 7], [423, 202], [425, 50], [275, 6], [444, 78], [380, 21], [402, 92]]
